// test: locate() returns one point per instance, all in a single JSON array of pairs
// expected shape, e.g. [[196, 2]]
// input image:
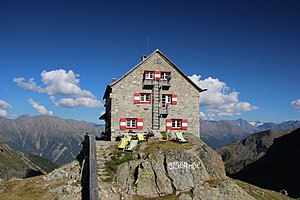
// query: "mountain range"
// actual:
[[225, 132], [15, 164], [56, 139]]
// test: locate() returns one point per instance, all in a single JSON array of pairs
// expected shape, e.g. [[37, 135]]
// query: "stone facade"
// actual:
[[120, 97]]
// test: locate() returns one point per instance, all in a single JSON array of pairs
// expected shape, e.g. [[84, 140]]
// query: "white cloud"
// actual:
[[64, 84], [29, 85], [82, 101], [40, 108], [60, 82], [3, 113], [296, 103], [218, 100], [3, 107]]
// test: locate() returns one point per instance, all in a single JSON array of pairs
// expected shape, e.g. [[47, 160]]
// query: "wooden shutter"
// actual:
[[169, 124], [137, 98], [139, 124], [174, 99], [123, 124], [184, 124], [157, 75]]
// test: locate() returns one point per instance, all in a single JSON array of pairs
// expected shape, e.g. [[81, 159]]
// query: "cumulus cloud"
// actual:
[[64, 84], [40, 108], [218, 100], [3, 107], [296, 104], [3, 113], [82, 101], [60, 82]]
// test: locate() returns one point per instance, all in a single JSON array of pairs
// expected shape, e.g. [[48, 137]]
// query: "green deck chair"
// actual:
[[141, 137], [123, 143], [180, 137], [132, 145]]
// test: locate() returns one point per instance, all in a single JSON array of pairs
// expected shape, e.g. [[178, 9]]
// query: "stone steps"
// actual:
[[104, 154]]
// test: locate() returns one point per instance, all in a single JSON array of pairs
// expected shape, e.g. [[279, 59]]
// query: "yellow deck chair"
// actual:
[[141, 137], [123, 143]]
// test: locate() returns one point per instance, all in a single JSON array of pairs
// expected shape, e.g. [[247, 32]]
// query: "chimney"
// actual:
[[143, 57], [113, 80]]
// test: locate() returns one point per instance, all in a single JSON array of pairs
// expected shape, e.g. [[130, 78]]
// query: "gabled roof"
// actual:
[[168, 60]]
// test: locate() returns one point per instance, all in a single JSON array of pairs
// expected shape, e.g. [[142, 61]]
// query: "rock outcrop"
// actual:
[[194, 171]]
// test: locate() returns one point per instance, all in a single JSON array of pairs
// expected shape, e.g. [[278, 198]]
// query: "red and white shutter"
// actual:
[[139, 124], [174, 99], [169, 124], [137, 98], [123, 124], [184, 124], [157, 75]]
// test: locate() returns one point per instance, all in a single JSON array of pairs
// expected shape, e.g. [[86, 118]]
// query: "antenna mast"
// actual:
[[147, 44]]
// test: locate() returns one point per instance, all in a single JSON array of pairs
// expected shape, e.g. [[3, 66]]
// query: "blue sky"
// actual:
[[248, 52]]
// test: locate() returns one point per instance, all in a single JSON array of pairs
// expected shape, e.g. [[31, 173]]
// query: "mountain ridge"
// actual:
[[56, 139], [225, 132], [278, 169]]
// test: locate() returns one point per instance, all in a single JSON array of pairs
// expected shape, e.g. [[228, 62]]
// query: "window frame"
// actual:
[[179, 122], [145, 102], [169, 97], [148, 72], [131, 124], [162, 76]]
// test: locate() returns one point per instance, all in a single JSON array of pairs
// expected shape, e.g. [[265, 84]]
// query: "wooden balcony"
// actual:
[[165, 84], [164, 110], [148, 83]]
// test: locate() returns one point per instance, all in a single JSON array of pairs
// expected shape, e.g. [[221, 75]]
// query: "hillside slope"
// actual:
[[15, 164], [237, 155], [51, 137], [279, 168]]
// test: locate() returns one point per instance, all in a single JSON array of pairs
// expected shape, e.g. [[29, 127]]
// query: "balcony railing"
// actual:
[[164, 110], [165, 84], [148, 83]]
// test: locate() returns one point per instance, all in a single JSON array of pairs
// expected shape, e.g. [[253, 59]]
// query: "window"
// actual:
[[165, 100], [176, 123], [130, 123], [149, 75], [142, 98], [165, 75], [145, 98]]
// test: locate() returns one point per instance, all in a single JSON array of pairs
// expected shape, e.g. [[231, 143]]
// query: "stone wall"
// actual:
[[123, 97]]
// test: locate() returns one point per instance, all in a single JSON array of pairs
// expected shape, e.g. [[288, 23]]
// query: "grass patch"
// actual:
[[259, 193], [214, 183], [165, 146], [116, 159], [26, 189]]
